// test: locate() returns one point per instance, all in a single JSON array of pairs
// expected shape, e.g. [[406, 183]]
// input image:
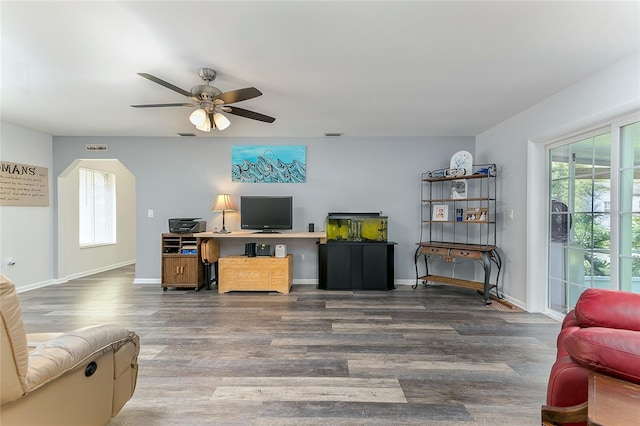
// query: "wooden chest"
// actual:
[[241, 273]]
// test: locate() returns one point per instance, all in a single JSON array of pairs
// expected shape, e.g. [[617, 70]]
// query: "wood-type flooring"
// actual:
[[433, 356]]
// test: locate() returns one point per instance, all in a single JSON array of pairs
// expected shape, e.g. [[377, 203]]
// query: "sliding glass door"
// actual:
[[594, 214], [629, 244]]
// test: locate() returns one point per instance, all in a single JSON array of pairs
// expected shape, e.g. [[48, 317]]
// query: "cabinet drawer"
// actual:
[[466, 253], [254, 262], [244, 274], [234, 261], [440, 251]]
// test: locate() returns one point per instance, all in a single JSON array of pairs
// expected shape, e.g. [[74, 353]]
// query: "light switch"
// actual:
[[149, 213], [510, 214]]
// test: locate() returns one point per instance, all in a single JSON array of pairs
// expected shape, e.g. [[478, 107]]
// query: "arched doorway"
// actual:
[[74, 261]]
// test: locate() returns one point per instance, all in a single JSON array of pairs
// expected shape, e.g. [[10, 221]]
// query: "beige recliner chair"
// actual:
[[83, 377]]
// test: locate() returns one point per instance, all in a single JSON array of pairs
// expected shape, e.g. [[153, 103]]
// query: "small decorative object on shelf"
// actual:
[[471, 235], [477, 214], [455, 172], [462, 160], [440, 212], [459, 189]]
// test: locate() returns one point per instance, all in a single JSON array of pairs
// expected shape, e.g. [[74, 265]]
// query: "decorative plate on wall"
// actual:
[[462, 160]]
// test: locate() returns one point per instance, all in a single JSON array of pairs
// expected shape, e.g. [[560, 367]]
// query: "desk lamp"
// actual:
[[223, 203]]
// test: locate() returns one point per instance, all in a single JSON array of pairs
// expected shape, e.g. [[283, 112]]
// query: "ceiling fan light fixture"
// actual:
[[198, 117], [206, 126], [210, 102], [221, 121]]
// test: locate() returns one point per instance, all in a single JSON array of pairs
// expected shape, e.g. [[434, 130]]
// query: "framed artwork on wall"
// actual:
[[269, 163]]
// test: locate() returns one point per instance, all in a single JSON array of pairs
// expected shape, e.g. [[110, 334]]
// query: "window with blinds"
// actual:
[[97, 207]]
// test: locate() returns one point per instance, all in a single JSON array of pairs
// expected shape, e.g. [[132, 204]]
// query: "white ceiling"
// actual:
[[417, 68]]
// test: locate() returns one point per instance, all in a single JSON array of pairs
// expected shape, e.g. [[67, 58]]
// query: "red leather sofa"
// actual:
[[601, 334]]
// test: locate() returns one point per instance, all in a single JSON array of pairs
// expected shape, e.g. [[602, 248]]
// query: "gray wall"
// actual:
[[612, 91], [26, 233], [180, 177]]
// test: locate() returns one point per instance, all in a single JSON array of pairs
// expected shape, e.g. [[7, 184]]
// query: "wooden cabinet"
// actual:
[[458, 222], [356, 266], [260, 273], [181, 266]]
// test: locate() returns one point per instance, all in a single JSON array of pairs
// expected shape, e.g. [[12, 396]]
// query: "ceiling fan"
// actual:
[[210, 102]]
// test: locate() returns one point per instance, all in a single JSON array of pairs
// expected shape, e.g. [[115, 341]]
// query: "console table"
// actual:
[[486, 255], [261, 273]]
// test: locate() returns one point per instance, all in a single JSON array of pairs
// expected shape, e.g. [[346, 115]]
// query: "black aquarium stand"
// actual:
[[356, 265]]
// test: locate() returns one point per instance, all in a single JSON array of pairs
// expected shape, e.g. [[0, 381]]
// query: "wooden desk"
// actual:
[[484, 254], [320, 236], [255, 273]]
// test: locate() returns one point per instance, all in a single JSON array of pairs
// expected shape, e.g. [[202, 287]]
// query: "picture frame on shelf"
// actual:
[[477, 214], [440, 213], [459, 189]]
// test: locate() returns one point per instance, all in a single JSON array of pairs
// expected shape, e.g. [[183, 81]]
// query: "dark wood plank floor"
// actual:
[[434, 356]]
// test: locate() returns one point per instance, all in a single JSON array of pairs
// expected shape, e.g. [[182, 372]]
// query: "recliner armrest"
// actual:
[[35, 339], [53, 358], [607, 350]]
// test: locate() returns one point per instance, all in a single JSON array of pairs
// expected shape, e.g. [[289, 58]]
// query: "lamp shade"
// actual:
[[206, 126], [221, 121], [198, 117], [223, 202]]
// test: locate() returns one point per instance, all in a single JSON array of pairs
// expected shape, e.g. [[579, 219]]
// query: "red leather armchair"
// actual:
[[602, 334]]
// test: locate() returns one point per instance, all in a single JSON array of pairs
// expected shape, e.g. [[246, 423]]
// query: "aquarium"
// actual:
[[356, 227]]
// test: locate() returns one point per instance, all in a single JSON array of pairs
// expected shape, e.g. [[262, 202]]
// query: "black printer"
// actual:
[[184, 225]]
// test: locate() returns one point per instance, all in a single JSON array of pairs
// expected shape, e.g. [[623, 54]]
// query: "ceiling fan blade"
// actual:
[[163, 105], [249, 114], [239, 95], [166, 84]]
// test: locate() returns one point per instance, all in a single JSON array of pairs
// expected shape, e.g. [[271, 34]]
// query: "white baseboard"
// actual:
[[35, 286], [94, 271], [154, 281], [63, 280], [306, 281]]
